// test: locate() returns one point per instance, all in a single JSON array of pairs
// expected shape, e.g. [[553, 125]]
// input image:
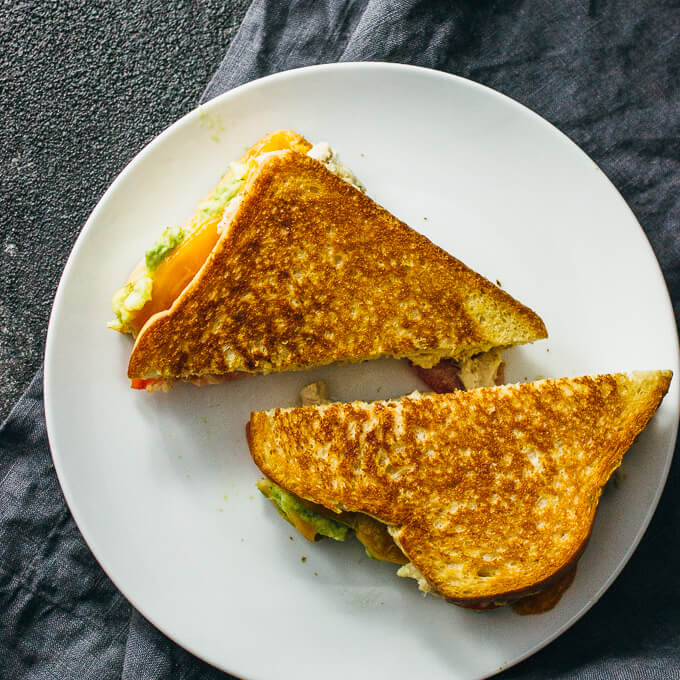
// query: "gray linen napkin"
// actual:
[[606, 73]]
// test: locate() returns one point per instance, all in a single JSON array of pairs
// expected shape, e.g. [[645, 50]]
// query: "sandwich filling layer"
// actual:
[[179, 252]]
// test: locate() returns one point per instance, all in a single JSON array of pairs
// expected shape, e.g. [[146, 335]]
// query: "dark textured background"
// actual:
[[84, 86]]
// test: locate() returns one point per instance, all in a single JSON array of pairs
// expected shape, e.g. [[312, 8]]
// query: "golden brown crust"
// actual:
[[491, 493], [311, 271]]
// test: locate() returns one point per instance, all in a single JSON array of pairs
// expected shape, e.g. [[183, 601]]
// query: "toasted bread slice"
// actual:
[[311, 271], [152, 289], [491, 493]]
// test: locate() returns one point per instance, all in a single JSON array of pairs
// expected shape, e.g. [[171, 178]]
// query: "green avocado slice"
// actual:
[[291, 508]]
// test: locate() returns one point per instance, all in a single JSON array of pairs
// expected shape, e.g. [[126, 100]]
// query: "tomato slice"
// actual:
[[141, 383]]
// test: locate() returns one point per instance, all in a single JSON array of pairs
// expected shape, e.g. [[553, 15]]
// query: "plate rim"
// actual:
[[203, 108]]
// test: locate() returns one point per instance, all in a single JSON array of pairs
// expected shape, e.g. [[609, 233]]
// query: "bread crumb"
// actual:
[[314, 394]]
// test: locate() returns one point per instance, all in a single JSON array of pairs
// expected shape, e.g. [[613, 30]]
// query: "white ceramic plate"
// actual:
[[162, 485]]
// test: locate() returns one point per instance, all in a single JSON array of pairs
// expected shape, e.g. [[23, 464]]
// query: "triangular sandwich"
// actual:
[[490, 495]]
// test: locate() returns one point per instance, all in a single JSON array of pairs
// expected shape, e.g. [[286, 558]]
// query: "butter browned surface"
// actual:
[[312, 271], [491, 494]]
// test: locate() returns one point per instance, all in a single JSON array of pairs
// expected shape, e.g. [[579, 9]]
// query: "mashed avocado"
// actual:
[[137, 292], [224, 192], [128, 299], [287, 504], [164, 245]]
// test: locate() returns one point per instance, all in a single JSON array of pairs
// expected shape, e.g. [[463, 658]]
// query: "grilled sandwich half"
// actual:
[[489, 496], [300, 268]]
